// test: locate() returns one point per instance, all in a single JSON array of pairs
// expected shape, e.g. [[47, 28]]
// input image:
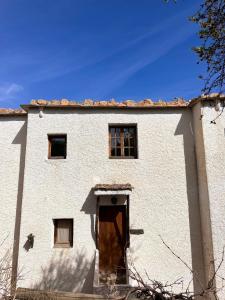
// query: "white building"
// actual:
[[90, 190]]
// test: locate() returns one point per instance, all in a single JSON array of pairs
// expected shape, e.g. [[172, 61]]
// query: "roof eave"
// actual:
[[205, 98], [27, 107]]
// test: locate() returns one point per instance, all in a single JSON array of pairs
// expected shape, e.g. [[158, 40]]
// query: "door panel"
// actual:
[[112, 243]]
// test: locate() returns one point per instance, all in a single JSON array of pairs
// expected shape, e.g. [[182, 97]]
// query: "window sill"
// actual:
[[57, 157], [57, 246], [122, 157]]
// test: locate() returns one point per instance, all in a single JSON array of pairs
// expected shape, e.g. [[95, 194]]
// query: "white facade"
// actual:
[[179, 157], [12, 145]]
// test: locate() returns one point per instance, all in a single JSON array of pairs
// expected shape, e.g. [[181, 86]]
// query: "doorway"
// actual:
[[112, 244]]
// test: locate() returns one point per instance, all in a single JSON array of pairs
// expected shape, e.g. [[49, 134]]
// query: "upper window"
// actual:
[[63, 233], [123, 141], [57, 146]]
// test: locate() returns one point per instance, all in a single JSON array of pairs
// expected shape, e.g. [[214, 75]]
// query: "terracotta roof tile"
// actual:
[[178, 102], [210, 97], [12, 112], [90, 103]]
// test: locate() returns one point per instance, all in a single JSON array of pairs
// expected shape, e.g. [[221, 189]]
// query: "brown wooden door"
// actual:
[[112, 243]]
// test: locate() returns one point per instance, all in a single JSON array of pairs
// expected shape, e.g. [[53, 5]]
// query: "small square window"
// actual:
[[63, 233], [57, 146]]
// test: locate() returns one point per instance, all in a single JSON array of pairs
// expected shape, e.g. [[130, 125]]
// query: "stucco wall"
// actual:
[[12, 145], [164, 200], [203, 192], [214, 141]]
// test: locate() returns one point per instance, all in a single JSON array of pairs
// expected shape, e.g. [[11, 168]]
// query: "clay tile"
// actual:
[[113, 102], [55, 102], [33, 101], [4, 110], [181, 101], [148, 102], [18, 110], [88, 102], [161, 103], [177, 102], [121, 104], [212, 95], [103, 103], [129, 102], [41, 102], [173, 102], [73, 103], [64, 102]]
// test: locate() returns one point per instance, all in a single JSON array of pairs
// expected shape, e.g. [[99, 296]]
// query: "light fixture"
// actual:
[[114, 200]]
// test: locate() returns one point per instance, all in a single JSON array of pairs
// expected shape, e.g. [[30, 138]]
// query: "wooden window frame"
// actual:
[[57, 244], [60, 135], [122, 147]]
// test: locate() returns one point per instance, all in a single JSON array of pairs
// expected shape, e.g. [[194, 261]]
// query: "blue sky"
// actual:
[[99, 49]]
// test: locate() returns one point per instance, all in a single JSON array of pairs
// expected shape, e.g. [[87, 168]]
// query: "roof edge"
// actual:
[[12, 112], [27, 107], [203, 98], [112, 104], [89, 103]]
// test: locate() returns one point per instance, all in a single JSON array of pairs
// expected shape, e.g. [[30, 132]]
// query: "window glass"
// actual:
[[123, 141], [57, 146], [63, 232]]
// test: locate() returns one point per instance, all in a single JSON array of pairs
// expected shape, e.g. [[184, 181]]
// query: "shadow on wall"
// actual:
[[20, 139], [185, 128], [68, 274], [89, 208]]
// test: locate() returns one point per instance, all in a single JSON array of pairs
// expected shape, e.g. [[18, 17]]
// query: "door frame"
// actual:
[[127, 212]]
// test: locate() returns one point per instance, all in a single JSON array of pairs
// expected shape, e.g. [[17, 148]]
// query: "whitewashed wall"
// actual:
[[12, 153], [164, 200], [214, 141]]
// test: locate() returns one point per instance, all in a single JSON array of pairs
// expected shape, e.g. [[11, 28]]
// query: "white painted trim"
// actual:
[[102, 193]]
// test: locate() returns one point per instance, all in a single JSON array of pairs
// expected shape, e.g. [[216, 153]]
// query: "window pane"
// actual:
[[63, 233], [118, 132], [126, 152], [113, 152], [118, 142], [126, 137], [113, 143], [112, 130], [132, 142], [57, 146], [118, 152], [126, 131], [132, 131], [123, 140], [132, 152]]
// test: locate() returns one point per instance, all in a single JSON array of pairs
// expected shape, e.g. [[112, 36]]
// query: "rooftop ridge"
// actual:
[[176, 102], [11, 111], [109, 103], [90, 103]]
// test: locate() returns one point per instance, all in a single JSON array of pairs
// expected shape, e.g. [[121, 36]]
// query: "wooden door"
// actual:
[[112, 244]]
